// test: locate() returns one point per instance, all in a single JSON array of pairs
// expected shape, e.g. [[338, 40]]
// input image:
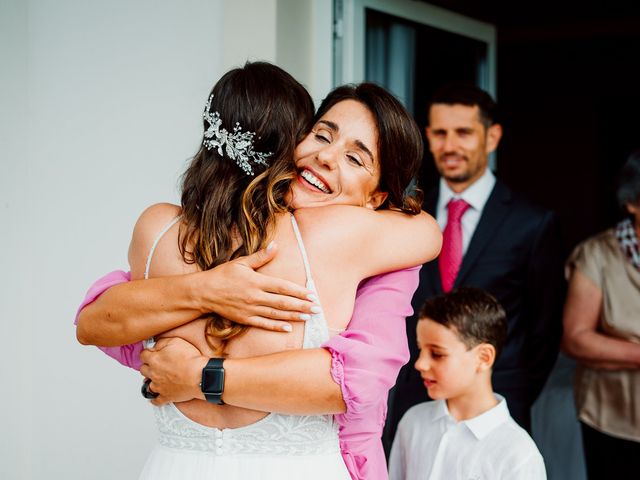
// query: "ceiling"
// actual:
[[587, 18]]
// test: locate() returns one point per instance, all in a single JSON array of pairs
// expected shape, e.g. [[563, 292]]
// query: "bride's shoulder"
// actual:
[[154, 218], [151, 222]]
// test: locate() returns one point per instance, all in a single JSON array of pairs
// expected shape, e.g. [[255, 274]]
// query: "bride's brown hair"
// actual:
[[250, 206], [263, 99]]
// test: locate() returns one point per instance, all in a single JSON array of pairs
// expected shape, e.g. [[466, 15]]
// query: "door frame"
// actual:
[[350, 33]]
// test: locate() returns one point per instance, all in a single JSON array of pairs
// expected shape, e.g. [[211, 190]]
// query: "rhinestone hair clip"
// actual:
[[237, 145]]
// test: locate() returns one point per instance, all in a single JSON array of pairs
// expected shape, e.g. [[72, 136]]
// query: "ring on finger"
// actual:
[[146, 390]]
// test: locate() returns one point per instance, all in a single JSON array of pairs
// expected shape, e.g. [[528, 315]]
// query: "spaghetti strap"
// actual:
[[155, 244], [150, 342], [316, 329], [303, 251]]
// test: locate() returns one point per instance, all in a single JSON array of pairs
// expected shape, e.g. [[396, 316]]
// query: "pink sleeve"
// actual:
[[128, 355], [369, 354], [366, 359]]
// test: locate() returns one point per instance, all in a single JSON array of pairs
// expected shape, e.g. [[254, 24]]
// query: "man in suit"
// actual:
[[494, 240]]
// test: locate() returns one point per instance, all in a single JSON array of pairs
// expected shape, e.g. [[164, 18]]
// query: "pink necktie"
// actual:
[[451, 254]]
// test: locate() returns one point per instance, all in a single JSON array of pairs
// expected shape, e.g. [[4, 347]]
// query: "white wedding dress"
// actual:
[[277, 447]]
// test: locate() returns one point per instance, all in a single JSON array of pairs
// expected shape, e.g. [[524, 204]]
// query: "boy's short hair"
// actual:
[[475, 314]]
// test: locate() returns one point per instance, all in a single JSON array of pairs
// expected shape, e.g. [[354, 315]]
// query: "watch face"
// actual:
[[213, 380]]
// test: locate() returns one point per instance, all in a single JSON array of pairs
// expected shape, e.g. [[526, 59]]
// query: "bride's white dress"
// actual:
[[277, 447]]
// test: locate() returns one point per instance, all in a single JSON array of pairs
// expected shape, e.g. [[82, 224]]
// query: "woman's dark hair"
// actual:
[[628, 191], [399, 142], [265, 100], [475, 316]]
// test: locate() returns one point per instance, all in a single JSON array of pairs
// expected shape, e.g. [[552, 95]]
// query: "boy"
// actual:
[[466, 433]]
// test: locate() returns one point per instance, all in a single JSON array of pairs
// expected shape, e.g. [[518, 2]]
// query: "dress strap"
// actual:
[[303, 251], [155, 243], [316, 330]]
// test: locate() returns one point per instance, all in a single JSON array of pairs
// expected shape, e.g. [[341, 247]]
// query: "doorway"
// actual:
[[412, 49]]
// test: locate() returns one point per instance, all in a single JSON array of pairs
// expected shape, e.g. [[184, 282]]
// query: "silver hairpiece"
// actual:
[[237, 145]]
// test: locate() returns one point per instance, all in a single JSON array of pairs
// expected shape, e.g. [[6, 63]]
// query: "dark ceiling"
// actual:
[[559, 18]]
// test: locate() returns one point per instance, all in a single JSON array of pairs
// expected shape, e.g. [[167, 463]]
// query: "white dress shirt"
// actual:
[[476, 195], [431, 445]]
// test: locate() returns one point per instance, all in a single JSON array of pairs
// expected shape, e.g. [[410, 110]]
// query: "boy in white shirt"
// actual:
[[466, 433]]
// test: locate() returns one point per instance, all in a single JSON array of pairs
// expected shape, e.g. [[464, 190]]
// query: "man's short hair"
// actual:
[[475, 316], [469, 95]]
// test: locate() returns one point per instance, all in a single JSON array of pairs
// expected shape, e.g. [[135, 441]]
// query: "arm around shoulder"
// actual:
[[374, 241], [415, 239]]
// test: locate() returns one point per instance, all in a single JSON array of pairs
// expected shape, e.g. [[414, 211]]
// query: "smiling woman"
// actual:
[[363, 149], [335, 161]]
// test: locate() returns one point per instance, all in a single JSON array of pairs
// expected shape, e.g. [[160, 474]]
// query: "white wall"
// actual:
[[13, 325], [304, 43], [100, 107], [251, 32], [295, 34]]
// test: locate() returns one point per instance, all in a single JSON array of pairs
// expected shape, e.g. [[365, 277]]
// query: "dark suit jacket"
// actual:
[[516, 255]]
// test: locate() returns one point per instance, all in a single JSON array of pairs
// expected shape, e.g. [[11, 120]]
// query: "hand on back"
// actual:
[[236, 291], [233, 290], [174, 365]]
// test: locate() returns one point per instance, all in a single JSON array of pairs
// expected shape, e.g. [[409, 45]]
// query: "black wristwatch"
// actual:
[[212, 384]]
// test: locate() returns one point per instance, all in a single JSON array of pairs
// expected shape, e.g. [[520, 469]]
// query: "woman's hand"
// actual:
[[298, 382], [133, 311], [175, 368], [235, 290]]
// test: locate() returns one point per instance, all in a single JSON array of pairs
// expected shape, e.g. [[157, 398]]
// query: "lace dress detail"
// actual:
[[277, 446], [273, 435]]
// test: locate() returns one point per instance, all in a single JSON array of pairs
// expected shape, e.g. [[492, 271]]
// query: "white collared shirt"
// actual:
[[476, 195], [431, 445]]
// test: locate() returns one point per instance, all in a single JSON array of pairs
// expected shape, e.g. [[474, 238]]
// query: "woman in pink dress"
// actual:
[[245, 386]]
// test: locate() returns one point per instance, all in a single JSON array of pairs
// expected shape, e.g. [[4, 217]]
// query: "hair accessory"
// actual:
[[238, 145]]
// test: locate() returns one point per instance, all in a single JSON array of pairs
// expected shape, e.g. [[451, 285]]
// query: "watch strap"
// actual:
[[212, 383]]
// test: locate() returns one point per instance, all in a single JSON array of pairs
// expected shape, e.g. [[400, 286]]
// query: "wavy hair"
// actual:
[[266, 100]]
